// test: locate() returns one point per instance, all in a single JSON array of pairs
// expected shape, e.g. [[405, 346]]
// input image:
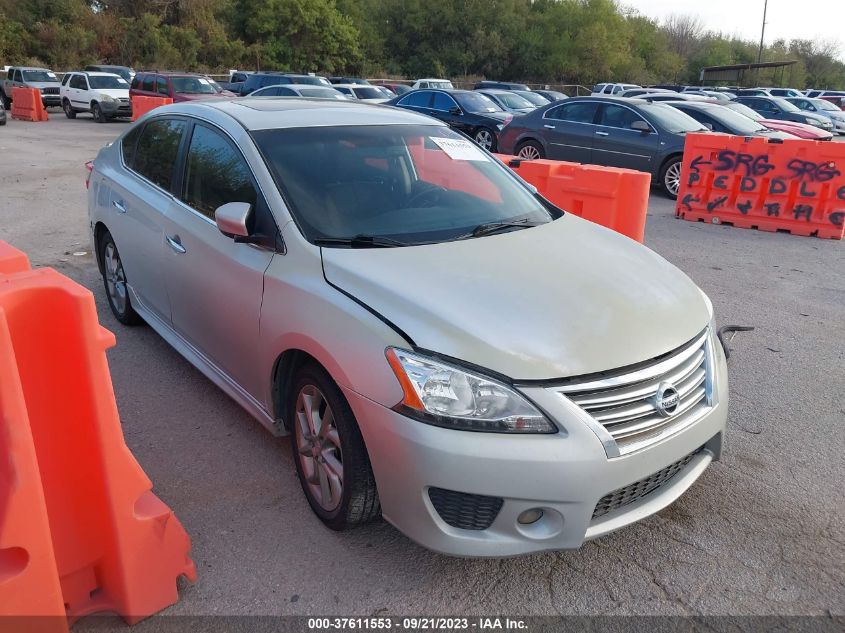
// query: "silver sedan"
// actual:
[[447, 349]]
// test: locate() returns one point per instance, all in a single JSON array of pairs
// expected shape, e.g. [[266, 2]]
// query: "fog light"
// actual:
[[530, 516]]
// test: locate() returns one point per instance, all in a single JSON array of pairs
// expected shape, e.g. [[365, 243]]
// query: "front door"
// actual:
[[617, 145], [215, 284]]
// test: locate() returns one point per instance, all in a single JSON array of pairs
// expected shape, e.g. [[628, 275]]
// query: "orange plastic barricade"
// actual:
[[796, 186], [27, 105], [613, 197], [80, 529], [142, 105]]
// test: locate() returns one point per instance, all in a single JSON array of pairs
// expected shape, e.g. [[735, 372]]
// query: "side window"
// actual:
[[16, 76], [618, 116], [148, 84], [617, 90], [443, 102], [281, 91], [157, 150], [161, 85], [127, 145], [65, 79], [419, 99], [215, 173], [136, 81], [78, 81], [583, 112]]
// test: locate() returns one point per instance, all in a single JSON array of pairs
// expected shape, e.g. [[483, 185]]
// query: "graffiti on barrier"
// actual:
[[759, 175]]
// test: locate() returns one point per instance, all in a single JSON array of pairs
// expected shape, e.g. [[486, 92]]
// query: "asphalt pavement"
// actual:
[[761, 533]]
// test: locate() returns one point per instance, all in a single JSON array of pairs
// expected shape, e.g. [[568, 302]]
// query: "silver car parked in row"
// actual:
[[447, 349]]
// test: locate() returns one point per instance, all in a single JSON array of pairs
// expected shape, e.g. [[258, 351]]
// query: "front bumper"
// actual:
[[51, 100], [565, 475], [116, 108]]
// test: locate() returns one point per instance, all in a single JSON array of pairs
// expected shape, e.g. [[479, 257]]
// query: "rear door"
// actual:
[[617, 145], [140, 199], [569, 131], [215, 284]]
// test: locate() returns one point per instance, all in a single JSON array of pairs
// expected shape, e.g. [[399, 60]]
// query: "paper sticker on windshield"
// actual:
[[459, 149], [51, 75]]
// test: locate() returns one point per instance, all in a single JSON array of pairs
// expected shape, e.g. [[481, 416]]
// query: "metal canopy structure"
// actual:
[[735, 73]]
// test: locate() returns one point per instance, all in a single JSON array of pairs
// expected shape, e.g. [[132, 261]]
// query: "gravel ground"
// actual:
[[762, 532]]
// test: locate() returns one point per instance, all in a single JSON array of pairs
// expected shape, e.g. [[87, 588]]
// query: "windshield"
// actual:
[[321, 93], [311, 80], [476, 103], [443, 85], [671, 119], [40, 75], [100, 82], [785, 105], [745, 111], [514, 101], [821, 104], [413, 183], [368, 92], [734, 121], [192, 85], [534, 98], [126, 73]]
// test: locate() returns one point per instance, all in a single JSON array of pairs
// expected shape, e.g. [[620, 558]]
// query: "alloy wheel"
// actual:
[[318, 447], [484, 138], [529, 152], [672, 179], [115, 277]]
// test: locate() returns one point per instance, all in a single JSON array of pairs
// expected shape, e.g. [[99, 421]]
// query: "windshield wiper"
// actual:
[[489, 228], [361, 241]]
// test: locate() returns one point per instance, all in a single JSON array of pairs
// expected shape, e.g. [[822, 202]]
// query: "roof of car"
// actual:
[[262, 114], [352, 86], [93, 73], [169, 73], [29, 68], [496, 91], [609, 99], [694, 104]]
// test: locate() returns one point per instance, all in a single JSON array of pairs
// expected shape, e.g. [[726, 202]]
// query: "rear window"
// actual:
[[192, 85], [368, 92], [157, 149]]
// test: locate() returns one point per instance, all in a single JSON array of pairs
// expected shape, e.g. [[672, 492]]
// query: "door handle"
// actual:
[[118, 204], [602, 134], [549, 127], [175, 243]]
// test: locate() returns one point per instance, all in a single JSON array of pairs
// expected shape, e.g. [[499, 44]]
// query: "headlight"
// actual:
[[107, 98], [814, 122], [444, 395]]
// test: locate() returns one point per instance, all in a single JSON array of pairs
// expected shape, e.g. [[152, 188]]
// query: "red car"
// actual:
[[177, 86], [839, 102], [800, 130]]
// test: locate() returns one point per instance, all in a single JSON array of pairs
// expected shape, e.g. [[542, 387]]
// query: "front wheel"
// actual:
[[7, 103], [329, 452], [69, 111], [670, 177], [114, 279], [486, 138], [530, 150], [99, 115]]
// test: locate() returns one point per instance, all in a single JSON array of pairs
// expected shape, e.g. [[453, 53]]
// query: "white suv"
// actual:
[[105, 95], [612, 90]]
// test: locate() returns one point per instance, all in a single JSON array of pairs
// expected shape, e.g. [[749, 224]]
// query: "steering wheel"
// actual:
[[430, 194]]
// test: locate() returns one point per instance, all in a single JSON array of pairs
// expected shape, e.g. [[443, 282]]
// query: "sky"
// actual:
[[786, 19]]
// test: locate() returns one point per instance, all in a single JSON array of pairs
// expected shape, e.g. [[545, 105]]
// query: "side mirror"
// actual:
[[232, 217], [641, 126], [709, 126], [456, 111]]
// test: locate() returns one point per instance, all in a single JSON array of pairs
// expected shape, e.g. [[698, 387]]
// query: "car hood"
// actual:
[[117, 93], [43, 84], [563, 299], [804, 130]]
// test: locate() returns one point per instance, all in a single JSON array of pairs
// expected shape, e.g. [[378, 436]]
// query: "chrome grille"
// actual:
[[625, 403], [49, 91]]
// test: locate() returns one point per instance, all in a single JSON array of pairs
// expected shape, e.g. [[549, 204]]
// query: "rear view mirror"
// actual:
[[641, 126], [232, 218]]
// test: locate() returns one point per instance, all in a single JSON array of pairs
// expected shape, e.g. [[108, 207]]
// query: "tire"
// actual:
[[7, 103], [670, 176], [69, 111], [486, 138], [99, 115], [114, 281], [334, 470], [530, 150]]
